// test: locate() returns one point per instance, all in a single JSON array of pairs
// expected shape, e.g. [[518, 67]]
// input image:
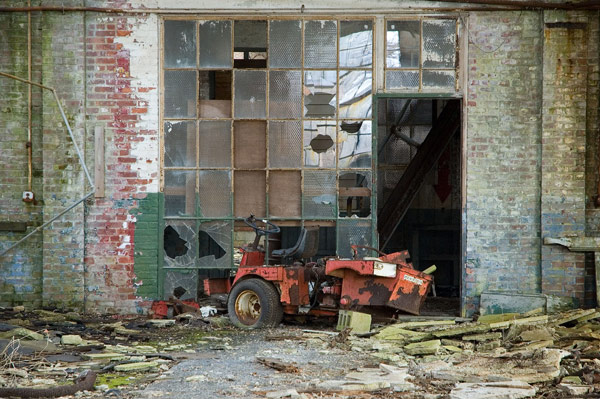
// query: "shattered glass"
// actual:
[[184, 281], [285, 142], [250, 94], [180, 94], [319, 144], [285, 94], [355, 94], [180, 243], [215, 244], [439, 43], [285, 44], [356, 44], [180, 188], [354, 194], [180, 144], [215, 44], [403, 41], [319, 194], [180, 44], [353, 232], [320, 94], [402, 79], [355, 143], [320, 44], [214, 194]]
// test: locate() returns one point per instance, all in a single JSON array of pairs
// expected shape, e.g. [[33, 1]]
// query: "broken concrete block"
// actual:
[[288, 393], [99, 356], [460, 344], [483, 337], [538, 334], [497, 318], [360, 323], [534, 345], [71, 340], [451, 348], [571, 379], [21, 333], [160, 323], [574, 390], [462, 330], [144, 349], [345, 385], [488, 346], [423, 348], [127, 331], [17, 372], [536, 320], [140, 366], [493, 390], [573, 315], [426, 323]]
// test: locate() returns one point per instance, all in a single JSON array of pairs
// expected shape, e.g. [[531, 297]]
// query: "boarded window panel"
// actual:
[[285, 44], [403, 41], [180, 94], [250, 144], [285, 144], [180, 188], [214, 94], [180, 44], [355, 143], [353, 232], [250, 94], [439, 43], [320, 44], [249, 193], [215, 193], [355, 94], [215, 44], [356, 44], [214, 244], [319, 194], [285, 94], [285, 193], [180, 144], [215, 144]]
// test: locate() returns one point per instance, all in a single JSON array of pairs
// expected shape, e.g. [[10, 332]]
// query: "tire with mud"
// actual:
[[254, 303]]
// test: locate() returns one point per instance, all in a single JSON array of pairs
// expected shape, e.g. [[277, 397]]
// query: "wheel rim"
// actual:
[[247, 307]]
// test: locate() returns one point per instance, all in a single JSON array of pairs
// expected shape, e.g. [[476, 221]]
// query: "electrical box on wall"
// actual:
[[27, 196]]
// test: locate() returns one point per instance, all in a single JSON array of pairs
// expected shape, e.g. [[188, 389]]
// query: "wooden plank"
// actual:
[[99, 165]]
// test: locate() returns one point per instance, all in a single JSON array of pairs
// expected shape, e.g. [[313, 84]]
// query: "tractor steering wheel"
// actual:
[[269, 228]]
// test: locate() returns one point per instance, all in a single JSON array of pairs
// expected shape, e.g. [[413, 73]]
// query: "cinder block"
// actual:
[[360, 323]]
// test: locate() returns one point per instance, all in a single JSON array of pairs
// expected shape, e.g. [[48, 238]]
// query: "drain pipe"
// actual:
[[81, 161], [29, 107]]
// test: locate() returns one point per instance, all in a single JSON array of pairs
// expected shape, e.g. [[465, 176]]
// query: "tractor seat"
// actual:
[[306, 246]]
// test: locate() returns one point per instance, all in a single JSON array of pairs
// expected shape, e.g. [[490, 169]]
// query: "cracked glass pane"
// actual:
[[403, 41], [215, 44], [439, 43], [285, 44], [180, 44], [180, 189], [180, 144], [181, 283], [353, 232], [355, 94], [356, 44], [320, 44], [285, 94], [319, 94], [355, 142], [180, 94], [354, 195], [214, 244], [319, 144], [250, 94], [319, 194], [180, 243]]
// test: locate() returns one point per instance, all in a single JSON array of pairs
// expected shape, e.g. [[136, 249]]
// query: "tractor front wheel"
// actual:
[[254, 303]]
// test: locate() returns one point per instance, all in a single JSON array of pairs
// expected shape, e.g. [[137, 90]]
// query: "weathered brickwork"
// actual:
[[503, 154]]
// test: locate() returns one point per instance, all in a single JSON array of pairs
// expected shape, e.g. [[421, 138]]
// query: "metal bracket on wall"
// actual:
[[81, 161]]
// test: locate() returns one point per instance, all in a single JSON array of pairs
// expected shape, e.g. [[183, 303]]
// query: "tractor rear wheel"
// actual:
[[254, 303]]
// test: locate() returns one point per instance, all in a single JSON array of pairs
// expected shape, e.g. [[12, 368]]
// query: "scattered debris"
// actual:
[[84, 382], [278, 365]]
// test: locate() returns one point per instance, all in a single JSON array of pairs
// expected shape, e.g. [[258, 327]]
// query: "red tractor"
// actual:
[[260, 294]]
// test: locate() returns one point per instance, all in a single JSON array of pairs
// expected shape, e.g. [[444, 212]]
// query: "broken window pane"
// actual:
[[355, 94], [319, 144], [180, 187], [249, 144], [319, 194], [403, 43], [215, 44], [439, 43], [214, 94], [285, 44], [320, 44], [250, 44], [214, 244], [402, 80], [184, 283], [180, 94], [353, 232], [438, 79], [250, 189], [215, 144], [215, 193], [354, 194], [250, 94], [180, 44], [285, 94], [355, 142], [285, 144], [180, 243], [285, 192], [319, 94], [356, 44], [180, 144]]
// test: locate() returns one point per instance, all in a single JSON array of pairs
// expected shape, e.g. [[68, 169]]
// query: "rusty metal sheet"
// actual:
[[217, 286], [364, 267], [399, 258], [294, 287], [410, 290], [269, 273], [366, 290]]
